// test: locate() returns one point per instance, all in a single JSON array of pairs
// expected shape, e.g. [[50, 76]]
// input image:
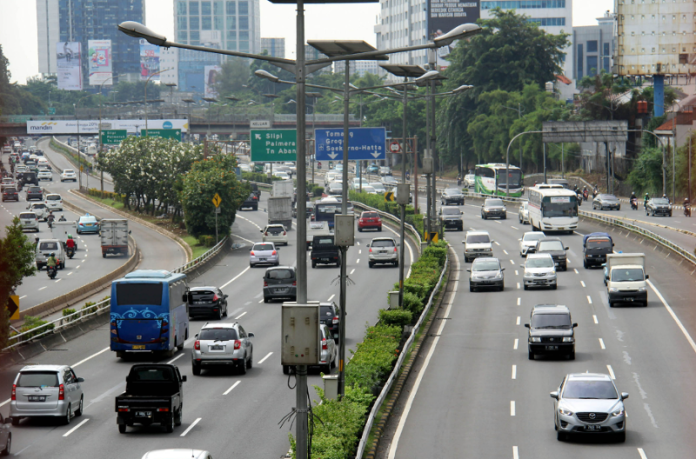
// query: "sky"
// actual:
[[18, 33]]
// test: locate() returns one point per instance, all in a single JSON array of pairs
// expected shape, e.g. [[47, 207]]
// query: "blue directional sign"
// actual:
[[363, 143]]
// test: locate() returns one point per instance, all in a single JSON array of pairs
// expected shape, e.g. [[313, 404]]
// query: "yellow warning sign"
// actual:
[[432, 236], [13, 307], [389, 196], [217, 200]]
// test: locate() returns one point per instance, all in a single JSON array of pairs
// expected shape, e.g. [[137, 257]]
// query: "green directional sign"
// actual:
[[51, 110], [113, 137], [269, 145], [163, 133]]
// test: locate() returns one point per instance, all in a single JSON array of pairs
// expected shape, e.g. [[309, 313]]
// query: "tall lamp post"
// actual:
[[101, 146]]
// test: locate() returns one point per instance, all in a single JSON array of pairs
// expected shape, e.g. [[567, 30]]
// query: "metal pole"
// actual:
[[433, 142], [562, 160], [314, 135], [415, 175], [428, 146], [607, 154], [403, 206], [216, 226], [344, 250], [79, 156], [688, 187], [674, 172], [301, 255], [544, 162]]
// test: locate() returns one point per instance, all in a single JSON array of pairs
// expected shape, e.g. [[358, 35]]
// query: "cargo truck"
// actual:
[[114, 236], [280, 211], [283, 188], [625, 278]]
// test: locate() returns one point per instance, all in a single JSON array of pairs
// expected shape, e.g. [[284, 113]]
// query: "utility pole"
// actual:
[[344, 249], [402, 227]]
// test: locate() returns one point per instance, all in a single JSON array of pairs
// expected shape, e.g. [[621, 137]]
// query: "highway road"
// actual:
[[229, 414], [479, 395]]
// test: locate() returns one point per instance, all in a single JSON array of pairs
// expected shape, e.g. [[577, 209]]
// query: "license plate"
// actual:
[[551, 348], [216, 348], [37, 398], [199, 302], [324, 259], [262, 259], [628, 299], [593, 428], [280, 290], [143, 414], [138, 346]]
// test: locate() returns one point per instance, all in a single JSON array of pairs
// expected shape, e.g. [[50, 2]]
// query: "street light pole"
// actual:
[[402, 227], [101, 146], [344, 249]]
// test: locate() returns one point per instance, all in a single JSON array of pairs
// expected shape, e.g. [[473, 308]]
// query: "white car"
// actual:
[[469, 180], [39, 209], [41, 161], [44, 175], [54, 202], [539, 271], [477, 244], [529, 241], [523, 213], [275, 233], [68, 174], [368, 189], [378, 187], [281, 175], [178, 453]]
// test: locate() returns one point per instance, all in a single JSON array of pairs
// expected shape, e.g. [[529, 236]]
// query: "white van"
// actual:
[[45, 248], [54, 201]]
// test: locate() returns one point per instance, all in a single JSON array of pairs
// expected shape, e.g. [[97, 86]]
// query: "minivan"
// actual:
[[44, 249], [54, 202]]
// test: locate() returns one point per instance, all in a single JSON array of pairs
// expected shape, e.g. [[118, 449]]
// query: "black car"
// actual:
[[658, 206], [34, 192], [330, 315], [10, 194], [29, 178], [606, 201], [553, 246], [595, 249], [493, 208], [309, 209], [207, 302], [551, 331], [255, 189], [251, 202], [280, 282], [452, 196]]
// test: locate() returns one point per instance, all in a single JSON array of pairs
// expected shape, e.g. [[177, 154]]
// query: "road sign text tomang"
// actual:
[[274, 145], [363, 143]]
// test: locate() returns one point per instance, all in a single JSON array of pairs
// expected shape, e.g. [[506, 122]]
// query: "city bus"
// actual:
[[149, 312], [326, 208], [490, 179], [553, 208]]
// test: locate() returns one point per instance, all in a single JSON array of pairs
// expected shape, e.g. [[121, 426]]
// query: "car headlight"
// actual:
[[568, 339], [619, 412], [526, 274], [613, 290], [565, 412], [489, 249], [642, 289], [535, 339]]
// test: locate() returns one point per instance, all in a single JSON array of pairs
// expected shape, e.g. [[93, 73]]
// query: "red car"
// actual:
[[369, 220]]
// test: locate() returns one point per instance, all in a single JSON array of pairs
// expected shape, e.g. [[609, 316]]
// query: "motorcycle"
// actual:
[[687, 210], [51, 271], [634, 203], [70, 252], [585, 194], [580, 198]]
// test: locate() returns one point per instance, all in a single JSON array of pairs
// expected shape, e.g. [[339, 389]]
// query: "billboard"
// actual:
[[444, 16], [68, 59], [655, 38], [211, 76], [99, 62], [149, 60], [92, 126]]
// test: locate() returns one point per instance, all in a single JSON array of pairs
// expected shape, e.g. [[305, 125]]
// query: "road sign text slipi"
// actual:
[[273, 145], [363, 143], [113, 137]]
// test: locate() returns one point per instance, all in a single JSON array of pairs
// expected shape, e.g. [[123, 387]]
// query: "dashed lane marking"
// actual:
[[75, 428], [582, 283], [576, 271], [514, 346], [518, 320], [519, 301], [175, 358], [611, 372], [595, 319], [601, 343], [193, 424], [514, 372], [264, 359], [231, 387], [241, 315], [512, 408], [589, 299], [332, 296]]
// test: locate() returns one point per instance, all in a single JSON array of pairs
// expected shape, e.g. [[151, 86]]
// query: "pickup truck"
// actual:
[[625, 278], [595, 248], [325, 251], [154, 395]]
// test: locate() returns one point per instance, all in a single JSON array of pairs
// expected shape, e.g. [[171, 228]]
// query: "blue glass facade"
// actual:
[[83, 20], [192, 69], [544, 22]]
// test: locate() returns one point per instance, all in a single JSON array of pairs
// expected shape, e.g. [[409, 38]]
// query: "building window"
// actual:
[[194, 23], [181, 7], [231, 23], [243, 23], [592, 46], [231, 8], [181, 22], [244, 46], [606, 49], [592, 66], [182, 37], [193, 8], [580, 62], [523, 4], [205, 9], [232, 45], [219, 25], [606, 65], [243, 34], [243, 9], [548, 22], [218, 8], [231, 35], [195, 36], [206, 23]]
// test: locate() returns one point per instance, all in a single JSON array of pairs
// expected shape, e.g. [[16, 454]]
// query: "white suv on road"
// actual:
[[68, 174], [477, 244], [54, 202]]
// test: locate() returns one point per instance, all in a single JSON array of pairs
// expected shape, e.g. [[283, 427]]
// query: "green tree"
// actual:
[[646, 175], [16, 263], [233, 78]]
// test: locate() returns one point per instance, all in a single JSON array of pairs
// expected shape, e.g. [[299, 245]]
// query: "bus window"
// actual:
[[560, 206]]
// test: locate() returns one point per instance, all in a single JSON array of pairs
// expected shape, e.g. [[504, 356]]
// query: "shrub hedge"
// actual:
[[397, 317], [259, 177]]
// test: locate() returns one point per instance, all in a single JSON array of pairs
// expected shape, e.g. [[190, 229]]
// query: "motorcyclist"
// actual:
[[51, 262], [62, 218], [634, 200], [36, 242], [646, 198], [633, 195], [687, 207], [70, 243], [50, 218], [664, 196]]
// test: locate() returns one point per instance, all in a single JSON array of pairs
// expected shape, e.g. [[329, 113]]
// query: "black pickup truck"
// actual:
[[325, 251], [154, 395]]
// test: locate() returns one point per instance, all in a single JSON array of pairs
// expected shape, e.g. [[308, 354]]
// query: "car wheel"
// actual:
[[531, 355], [80, 408], [571, 356], [219, 315], [360, 230], [15, 420], [266, 300], [370, 265], [471, 288], [584, 264], [243, 367], [396, 264], [122, 428], [526, 287], [621, 437], [379, 229], [68, 415], [196, 370], [170, 424], [560, 436], [554, 287], [502, 287], [179, 416], [611, 304], [314, 264], [250, 362]]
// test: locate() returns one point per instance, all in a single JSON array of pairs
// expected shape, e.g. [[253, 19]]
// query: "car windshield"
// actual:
[[660, 201], [316, 225], [551, 321], [38, 206], [68, 171], [478, 239], [383, 243], [550, 245], [486, 265], [598, 244], [218, 334], [326, 311], [26, 215], [280, 274], [88, 219], [494, 203], [262, 247], [627, 275], [452, 191], [590, 389], [48, 246], [368, 189], [323, 241], [607, 197], [370, 215], [450, 211], [540, 262], [533, 237], [38, 379], [34, 189]]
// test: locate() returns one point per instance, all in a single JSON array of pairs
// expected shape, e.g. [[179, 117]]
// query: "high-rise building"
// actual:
[[83, 20], [594, 48], [358, 68], [403, 23], [274, 46], [169, 59], [47, 18]]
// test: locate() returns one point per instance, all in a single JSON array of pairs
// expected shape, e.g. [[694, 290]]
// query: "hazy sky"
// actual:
[[348, 22]]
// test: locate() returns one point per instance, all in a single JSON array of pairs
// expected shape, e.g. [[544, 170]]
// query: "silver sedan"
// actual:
[[265, 253]]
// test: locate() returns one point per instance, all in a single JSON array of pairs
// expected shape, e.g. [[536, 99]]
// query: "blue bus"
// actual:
[[149, 312], [326, 208]]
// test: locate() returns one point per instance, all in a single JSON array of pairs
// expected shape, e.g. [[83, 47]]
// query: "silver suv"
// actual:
[[383, 250], [589, 403], [540, 271], [222, 344], [477, 244], [46, 391]]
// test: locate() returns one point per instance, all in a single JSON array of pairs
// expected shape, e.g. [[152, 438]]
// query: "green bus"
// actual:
[[490, 179]]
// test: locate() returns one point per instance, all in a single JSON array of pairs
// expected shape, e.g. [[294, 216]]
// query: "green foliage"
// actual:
[[233, 77], [89, 308], [67, 312], [317, 190], [646, 175], [207, 240], [33, 323], [378, 202], [413, 304], [374, 357], [436, 251], [395, 317], [259, 177]]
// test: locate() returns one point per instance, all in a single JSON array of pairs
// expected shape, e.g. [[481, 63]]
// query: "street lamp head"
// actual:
[[232, 98], [266, 75], [137, 30], [210, 99], [291, 101], [462, 88], [459, 32], [427, 76]]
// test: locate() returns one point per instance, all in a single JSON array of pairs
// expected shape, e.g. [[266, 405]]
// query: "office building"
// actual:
[[274, 46], [358, 68], [82, 20], [169, 62], [403, 23], [192, 64], [594, 47]]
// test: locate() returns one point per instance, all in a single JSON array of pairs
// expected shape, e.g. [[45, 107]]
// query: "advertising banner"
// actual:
[[149, 60], [99, 63], [69, 55], [444, 16], [363, 143], [211, 75], [92, 126]]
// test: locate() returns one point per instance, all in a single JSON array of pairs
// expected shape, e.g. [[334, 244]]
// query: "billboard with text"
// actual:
[[149, 60], [68, 61], [444, 16], [133, 127], [212, 72], [99, 62]]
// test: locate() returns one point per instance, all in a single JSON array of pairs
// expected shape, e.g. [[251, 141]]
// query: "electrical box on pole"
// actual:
[[427, 166], [300, 335], [403, 192], [344, 230]]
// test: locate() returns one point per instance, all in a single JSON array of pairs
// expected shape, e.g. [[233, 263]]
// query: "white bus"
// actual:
[[553, 208]]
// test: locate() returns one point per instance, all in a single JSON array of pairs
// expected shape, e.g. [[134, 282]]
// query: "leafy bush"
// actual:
[[206, 240], [413, 304], [106, 194], [67, 312], [259, 177], [440, 253], [396, 317], [317, 190], [374, 357], [89, 308], [33, 323]]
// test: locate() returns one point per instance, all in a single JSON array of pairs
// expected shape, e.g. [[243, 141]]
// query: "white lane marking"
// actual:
[[640, 452], [22, 297], [235, 277], [611, 372], [595, 319], [91, 357], [240, 315], [78, 266], [352, 271], [193, 424], [512, 408], [358, 242], [264, 359], [360, 252], [515, 453], [589, 299], [409, 403], [175, 358], [58, 280], [674, 316], [518, 286], [70, 273], [496, 221], [75, 428], [243, 239], [601, 343], [514, 372], [512, 262], [576, 271], [582, 283], [519, 301], [43, 287], [496, 243], [513, 227], [514, 346], [358, 261], [261, 300], [505, 251], [518, 320], [331, 297], [231, 387], [517, 273]]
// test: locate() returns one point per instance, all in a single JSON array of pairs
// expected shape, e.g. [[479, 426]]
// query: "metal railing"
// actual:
[[399, 363], [391, 217]]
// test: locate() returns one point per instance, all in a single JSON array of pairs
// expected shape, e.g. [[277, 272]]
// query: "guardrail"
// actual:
[[391, 217], [399, 363]]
